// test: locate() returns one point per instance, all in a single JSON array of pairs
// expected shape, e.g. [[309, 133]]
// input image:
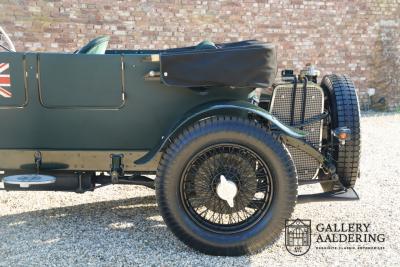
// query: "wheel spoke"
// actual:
[[238, 165]]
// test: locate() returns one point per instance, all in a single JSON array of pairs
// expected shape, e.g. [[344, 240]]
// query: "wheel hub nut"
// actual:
[[227, 190]]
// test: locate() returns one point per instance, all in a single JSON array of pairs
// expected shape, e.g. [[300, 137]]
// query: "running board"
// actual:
[[348, 194]]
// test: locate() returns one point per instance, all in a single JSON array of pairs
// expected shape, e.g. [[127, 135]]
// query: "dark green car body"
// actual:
[[197, 124], [77, 109]]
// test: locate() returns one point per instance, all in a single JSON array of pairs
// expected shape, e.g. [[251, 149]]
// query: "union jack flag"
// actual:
[[5, 80]]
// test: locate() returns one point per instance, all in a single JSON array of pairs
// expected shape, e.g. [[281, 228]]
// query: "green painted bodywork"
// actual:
[[89, 102], [216, 107], [102, 102]]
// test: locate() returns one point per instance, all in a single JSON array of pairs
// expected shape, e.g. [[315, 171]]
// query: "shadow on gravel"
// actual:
[[118, 232]]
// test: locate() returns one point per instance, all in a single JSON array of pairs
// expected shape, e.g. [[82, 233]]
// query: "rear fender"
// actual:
[[213, 108]]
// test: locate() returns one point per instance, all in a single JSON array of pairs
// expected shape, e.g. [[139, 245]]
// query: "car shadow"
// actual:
[[117, 232]]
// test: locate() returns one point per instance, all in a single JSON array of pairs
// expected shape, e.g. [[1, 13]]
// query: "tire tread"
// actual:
[[347, 111], [247, 128]]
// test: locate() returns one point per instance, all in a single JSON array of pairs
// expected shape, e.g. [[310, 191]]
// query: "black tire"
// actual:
[[200, 235], [344, 112]]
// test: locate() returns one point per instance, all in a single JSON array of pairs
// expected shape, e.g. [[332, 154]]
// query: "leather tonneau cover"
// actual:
[[241, 64]]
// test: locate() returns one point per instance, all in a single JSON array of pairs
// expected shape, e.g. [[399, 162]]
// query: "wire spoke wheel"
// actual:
[[5, 41], [226, 188], [344, 111]]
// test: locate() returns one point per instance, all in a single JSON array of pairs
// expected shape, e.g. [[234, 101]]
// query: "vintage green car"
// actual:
[[227, 141]]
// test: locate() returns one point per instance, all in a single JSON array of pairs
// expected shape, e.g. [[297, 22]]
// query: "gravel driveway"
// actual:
[[121, 226]]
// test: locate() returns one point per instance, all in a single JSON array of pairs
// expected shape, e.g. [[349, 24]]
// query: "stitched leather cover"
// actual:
[[241, 64]]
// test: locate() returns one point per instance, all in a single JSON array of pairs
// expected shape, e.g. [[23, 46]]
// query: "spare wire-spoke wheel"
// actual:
[[225, 186], [5, 41], [344, 112]]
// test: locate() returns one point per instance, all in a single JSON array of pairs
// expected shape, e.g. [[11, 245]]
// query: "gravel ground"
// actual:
[[121, 226]]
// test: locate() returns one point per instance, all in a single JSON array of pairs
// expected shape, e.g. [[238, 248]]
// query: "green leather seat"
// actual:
[[96, 46]]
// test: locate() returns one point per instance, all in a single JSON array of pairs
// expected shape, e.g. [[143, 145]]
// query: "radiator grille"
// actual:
[[307, 167]]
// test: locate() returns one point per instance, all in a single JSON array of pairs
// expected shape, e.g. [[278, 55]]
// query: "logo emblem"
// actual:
[[5, 80], [298, 236]]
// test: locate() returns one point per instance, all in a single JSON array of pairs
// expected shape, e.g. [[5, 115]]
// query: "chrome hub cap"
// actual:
[[227, 190]]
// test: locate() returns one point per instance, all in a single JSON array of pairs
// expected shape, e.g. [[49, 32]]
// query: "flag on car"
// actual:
[[5, 80]]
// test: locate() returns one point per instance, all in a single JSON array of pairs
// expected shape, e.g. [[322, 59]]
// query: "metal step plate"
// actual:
[[26, 180], [348, 194]]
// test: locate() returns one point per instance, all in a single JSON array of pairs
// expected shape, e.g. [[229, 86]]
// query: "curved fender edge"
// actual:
[[218, 106]]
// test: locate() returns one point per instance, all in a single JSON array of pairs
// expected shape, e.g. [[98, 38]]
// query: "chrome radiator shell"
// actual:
[[281, 104]]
